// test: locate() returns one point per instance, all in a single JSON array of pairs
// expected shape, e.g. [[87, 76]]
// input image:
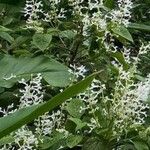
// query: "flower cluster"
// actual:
[[77, 72], [96, 18], [127, 100], [99, 16], [90, 96], [54, 12], [145, 48], [47, 122], [123, 14], [32, 94], [142, 90], [10, 109], [32, 10], [25, 139], [128, 108]]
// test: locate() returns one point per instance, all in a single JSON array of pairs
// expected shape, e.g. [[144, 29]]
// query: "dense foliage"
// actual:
[[74, 74]]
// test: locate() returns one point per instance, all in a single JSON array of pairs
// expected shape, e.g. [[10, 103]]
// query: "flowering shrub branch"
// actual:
[[86, 36]]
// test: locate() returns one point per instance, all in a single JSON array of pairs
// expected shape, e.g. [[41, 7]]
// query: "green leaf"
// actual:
[[123, 32], [127, 146], [68, 34], [7, 20], [52, 71], [18, 41], [6, 140], [119, 56], [80, 124], [73, 140], [42, 41], [53, 31], [139, 26], [23, 116], [139, 145], [4, 29], [109, 3], [7, 37], [53, 142], [95, 143], [73, 108]]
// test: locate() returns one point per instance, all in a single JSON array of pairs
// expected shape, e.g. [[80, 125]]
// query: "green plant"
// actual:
[[47, 48]]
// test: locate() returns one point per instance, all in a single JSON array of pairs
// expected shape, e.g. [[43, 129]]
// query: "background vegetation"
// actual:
[[74, 74]]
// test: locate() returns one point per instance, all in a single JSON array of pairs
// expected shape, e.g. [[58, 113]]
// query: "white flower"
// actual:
[[25, 139], [123, 14], [145, 48], [9, 110], [143, 89], [46, 123], [32, 10], [127, 106], [77, 72], [54, 12], [92, 125], [126, 53], [91, 95], [97, 18], [32, 93]]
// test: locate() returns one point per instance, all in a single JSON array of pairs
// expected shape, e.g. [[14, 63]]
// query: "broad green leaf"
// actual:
[[23, 116], [79, 123], [73, 108], [139, 145], [73, 140], [53, 31], [139, 26], [95, 144], [67, 34], [123, 32], [52, 71], [7, 37], [42, 41], [53, 142]]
